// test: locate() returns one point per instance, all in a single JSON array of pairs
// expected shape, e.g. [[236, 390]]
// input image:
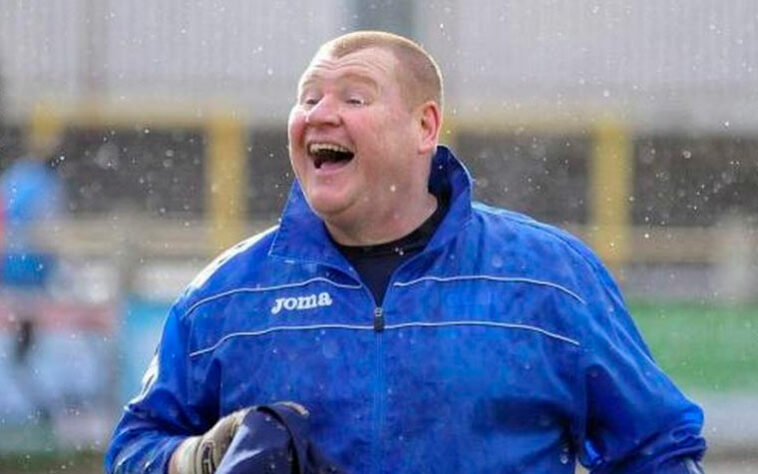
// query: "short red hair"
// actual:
[[425, 79]]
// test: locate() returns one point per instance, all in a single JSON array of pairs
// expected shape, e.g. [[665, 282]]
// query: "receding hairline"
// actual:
[[425, 78]]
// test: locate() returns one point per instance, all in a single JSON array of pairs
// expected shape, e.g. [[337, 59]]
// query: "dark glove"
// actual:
[[274, 439]]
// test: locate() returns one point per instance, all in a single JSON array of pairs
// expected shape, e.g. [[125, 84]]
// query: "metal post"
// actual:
[[226, 178], [611, 174]]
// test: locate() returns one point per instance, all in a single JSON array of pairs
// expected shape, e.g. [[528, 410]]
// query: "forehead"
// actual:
[[373, 64]]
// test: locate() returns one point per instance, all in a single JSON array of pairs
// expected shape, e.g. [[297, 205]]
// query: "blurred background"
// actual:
[[138, 139]]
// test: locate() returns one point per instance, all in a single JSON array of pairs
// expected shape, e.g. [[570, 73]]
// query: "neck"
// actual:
[[384, 228]]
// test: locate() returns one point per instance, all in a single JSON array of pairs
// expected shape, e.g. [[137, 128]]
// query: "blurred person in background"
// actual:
[[32, 194], [390, 324]]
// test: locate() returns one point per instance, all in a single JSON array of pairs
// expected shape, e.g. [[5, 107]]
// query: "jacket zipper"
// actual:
[[379, 388], [379, 382], [378, 319]]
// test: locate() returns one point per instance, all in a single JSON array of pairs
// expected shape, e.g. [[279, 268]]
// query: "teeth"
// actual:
[[315, 148]]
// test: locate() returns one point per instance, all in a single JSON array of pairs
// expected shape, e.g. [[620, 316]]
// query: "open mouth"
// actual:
[[329, 154]]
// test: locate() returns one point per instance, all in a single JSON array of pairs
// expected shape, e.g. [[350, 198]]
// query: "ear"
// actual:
[[430, 124]]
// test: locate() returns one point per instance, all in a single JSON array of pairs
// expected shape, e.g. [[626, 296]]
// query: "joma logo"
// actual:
[[302, 302]]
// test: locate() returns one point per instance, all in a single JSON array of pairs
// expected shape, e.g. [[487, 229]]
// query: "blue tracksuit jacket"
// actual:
[[504, 346]]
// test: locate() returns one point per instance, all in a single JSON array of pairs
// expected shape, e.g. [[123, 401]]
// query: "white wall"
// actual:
[[659, 63], [692, 63], [243, 52]]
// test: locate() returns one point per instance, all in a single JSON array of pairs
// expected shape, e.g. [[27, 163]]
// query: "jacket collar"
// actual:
[[302, 235]]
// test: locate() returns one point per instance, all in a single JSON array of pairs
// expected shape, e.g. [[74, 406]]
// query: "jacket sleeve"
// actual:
[[161, 416], [633, 418]]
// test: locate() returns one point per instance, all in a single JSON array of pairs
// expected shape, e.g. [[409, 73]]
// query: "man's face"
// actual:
[[354, 139]]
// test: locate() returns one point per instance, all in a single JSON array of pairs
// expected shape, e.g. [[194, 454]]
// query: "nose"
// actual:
[[324, 112]]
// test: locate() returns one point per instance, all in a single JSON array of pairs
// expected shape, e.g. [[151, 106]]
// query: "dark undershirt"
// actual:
[[376, 263]]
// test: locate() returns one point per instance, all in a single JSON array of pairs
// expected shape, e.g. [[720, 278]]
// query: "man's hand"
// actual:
[[202, 454]]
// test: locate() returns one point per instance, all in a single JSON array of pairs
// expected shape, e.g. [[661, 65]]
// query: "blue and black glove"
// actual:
[[274, 439]]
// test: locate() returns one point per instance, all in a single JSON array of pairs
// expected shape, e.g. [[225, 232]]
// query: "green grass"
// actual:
[[80, 462], [704, 348]]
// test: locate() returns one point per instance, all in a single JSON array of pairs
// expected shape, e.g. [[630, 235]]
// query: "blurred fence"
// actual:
[[660, 200]]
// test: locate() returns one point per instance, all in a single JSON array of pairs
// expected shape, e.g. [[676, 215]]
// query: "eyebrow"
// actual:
[[347, 77]]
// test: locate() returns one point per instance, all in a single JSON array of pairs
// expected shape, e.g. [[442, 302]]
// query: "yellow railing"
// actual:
[[611, 168], [226, 163]]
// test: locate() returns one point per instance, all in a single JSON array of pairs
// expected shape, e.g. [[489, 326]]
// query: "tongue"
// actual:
[[333, 165]]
